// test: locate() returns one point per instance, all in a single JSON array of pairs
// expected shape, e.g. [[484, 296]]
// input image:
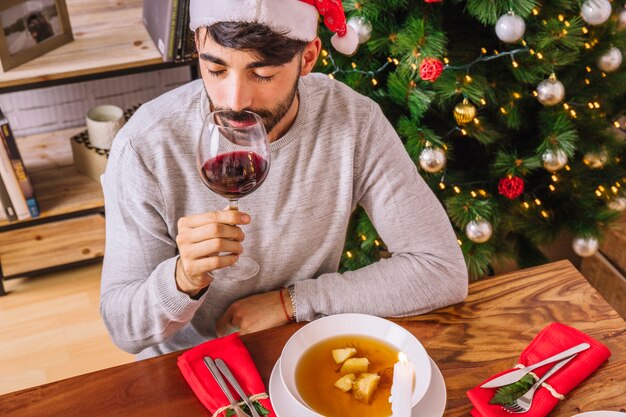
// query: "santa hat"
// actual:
[[296, 18]]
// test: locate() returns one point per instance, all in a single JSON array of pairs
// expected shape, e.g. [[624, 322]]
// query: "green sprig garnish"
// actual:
[[257, 406], [507, 394]]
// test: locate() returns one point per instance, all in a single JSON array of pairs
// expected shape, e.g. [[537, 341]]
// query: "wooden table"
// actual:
[[468, 341]]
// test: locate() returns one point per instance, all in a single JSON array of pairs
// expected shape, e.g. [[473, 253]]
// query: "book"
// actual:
[[5, 202], [159, 18], [7, 174], [23, 180]]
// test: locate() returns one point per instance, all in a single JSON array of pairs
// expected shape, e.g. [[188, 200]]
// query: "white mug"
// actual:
[[103, 123]]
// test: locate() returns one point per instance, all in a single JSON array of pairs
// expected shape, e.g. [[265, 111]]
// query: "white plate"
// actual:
[[432, 405], [601, 413]]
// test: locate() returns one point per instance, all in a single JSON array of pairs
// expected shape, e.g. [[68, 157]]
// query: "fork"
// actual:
[[523, 403]]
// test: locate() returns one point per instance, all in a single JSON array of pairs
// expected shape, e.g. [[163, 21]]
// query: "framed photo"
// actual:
[[30, 28]]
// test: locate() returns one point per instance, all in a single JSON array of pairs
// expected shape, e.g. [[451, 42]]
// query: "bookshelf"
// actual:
[[110, 40]]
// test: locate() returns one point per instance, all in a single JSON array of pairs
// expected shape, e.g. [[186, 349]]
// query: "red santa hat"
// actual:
[[296, 18]]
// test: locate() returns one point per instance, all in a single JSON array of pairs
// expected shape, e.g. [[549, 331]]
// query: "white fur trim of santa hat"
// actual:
[[297, 19]]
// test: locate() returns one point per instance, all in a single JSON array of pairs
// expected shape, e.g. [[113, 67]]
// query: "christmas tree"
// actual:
[[510, 110]]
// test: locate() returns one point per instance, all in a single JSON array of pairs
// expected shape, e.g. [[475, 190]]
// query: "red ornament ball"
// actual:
[[430, 69], [433, 1], [511, 187]]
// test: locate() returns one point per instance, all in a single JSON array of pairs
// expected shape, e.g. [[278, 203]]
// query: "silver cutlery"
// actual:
[[523, 403], [518, 374], [231, 378], [224, 387]]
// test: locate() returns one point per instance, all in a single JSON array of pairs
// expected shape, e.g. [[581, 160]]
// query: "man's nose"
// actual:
[[240, 97]]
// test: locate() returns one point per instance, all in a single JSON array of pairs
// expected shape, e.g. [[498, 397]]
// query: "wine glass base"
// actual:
[[244, 269]]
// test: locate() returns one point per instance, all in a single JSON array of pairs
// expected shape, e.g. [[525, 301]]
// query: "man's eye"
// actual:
[[216, 73], [263, 78]]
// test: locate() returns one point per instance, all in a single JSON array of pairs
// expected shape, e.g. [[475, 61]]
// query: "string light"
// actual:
[[477, 122], [482, 193], [539, 55], [585, 30], [474, 195], [324, 62], [363, 238], [537, 201], [588, 69], [460, 242], [555, 178], [535, 11], [396, 62], [376, 242], [483, 50], [515, 64], [545, 214], [446, 61], [464, 132], [483, 101], [414, 66], [566, 106], [457, 189], [614, 189], [567, 168], [526, 205], [354, 65], [374, 82], [331, 76], [503, 110], [552, 187], [598, 193], [442, 185], [468, 78], [517, 95], [324, 53], [349, 254]]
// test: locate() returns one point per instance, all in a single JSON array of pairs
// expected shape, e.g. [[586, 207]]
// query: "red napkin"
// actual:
[[551, 340], [232, 351]]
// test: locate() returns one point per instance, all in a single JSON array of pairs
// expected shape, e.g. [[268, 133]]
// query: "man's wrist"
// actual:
[[292, 302], [184, 285]]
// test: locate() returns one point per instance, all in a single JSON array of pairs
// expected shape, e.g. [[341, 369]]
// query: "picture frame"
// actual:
[[31, 28]]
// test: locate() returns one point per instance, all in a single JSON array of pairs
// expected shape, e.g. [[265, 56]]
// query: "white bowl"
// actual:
[[354, 324]]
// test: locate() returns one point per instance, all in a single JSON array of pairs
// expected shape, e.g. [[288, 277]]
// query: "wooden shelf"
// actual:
[[50, 245], [60, 189], [109, 36]]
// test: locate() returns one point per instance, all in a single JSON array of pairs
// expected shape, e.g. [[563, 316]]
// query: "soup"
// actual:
[[317, 372]]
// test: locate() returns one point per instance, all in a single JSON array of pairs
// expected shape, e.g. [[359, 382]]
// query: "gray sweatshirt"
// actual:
[[339, 153]]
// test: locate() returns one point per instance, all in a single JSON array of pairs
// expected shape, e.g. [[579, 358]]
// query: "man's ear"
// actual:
[[309, 56]]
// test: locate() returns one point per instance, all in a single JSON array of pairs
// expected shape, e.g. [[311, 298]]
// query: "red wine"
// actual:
[[235, 174]]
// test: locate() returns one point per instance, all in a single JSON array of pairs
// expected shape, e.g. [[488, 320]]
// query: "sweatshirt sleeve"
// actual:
[[426, 270], [140, 303]]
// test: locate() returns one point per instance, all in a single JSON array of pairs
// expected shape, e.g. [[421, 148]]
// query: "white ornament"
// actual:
[[618, 204], [479, 230], [585, 246], [621, 20], [550, 92], [553, 161], [510, 28], [610, 60], [432, 159], [595, 160], [362, 27], [596, 12]]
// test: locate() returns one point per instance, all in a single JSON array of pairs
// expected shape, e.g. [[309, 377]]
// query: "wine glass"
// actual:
[[233, 160]]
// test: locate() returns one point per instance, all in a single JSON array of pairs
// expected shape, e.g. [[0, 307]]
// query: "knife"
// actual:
[[222, 384], [518, 374], [231, 378]]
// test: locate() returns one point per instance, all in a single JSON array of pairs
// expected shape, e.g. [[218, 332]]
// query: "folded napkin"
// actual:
[[232, 351], [551, 340]]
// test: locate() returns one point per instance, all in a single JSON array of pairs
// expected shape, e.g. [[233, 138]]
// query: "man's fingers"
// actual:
[[209, 248], [224, 216], [211, 231]]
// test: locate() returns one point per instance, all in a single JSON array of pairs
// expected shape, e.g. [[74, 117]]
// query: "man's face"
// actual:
[[237, 81]]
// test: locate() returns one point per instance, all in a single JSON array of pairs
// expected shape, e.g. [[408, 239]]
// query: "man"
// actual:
[[332, 149]]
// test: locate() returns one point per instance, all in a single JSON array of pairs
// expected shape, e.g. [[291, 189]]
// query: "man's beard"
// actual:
[[270, 117]]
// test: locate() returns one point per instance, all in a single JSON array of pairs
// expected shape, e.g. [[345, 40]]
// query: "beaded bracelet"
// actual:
[[292, 297]]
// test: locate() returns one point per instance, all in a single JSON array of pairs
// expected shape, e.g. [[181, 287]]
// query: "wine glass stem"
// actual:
[[233, 205]]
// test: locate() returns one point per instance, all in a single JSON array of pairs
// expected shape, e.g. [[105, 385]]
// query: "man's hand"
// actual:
[[200, 240], [255, 313]]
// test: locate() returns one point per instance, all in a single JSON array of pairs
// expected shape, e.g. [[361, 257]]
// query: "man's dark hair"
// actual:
[[266, 44]]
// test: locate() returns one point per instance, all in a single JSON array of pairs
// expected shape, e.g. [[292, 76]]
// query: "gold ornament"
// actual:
[[464, 112]]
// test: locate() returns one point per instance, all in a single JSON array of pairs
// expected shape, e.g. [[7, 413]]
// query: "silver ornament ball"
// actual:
[[610, 60], [550, 92], [362, 27], [596, 12], [553, 161], [595, 160], [585, 246], [510, 28], [432, 159], [479, 230], [618, 204]]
